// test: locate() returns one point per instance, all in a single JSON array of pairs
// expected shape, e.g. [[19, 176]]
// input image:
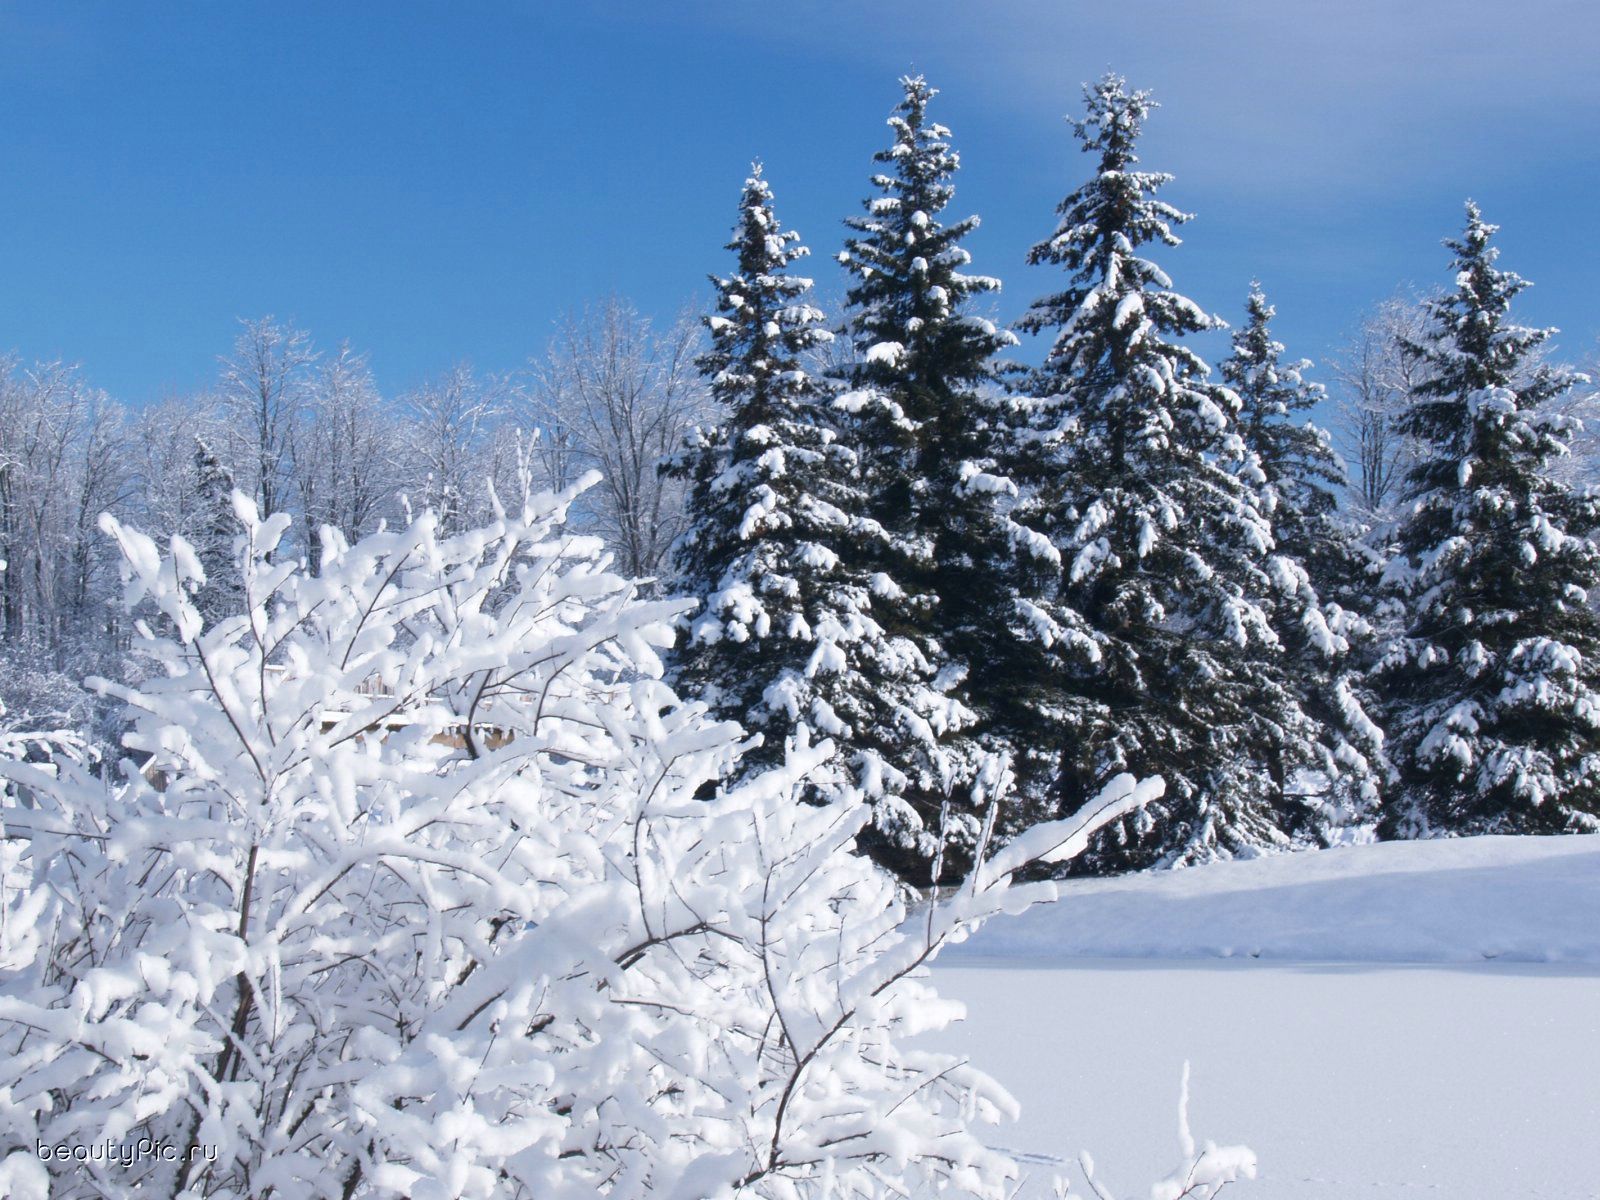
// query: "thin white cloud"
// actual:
[[1263, 95]]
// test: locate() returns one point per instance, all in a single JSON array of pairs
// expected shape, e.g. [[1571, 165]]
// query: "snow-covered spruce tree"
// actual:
[[783, 552], [1165, 592], [1493, 682], [425, 906], [1301, 475], [1323, 573], [922, 415], [772, 499]]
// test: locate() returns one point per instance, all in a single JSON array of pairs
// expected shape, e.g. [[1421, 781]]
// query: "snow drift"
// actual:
[[1516, 899]]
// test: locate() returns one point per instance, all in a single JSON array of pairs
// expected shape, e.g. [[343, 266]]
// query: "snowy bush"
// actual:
[[418, 883]]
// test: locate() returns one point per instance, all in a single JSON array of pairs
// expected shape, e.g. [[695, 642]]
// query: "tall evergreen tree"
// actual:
[[1322, 573], [1494, 679], [215, 528], [1165, 585], [781, 551], [1301, 476], [923, 415]]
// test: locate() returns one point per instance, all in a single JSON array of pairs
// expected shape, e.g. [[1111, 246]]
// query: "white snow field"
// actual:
[[1389, 1021]]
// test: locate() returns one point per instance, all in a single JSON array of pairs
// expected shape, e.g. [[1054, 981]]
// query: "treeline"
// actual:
[[307, 432], [1123, 560], [973, 576]]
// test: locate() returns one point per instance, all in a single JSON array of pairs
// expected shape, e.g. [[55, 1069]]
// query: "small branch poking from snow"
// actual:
[[1201, 1176]]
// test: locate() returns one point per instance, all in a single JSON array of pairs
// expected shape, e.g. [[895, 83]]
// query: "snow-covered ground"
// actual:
[[1423, 1020]]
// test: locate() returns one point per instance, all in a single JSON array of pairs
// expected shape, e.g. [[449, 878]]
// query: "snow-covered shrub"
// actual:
[[423, 885]]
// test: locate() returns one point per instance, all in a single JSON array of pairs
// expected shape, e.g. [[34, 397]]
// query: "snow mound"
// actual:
[[1516, 899]]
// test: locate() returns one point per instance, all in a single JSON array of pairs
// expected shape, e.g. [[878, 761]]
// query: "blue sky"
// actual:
[[440, 182]]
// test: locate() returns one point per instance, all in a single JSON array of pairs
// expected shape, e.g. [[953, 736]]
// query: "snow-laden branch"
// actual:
[[417, 882]]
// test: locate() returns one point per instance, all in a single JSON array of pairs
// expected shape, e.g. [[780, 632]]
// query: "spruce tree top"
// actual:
[[910, 286], [1136, 388], [762, 328], [762, 482], [1103, 224], [1482, 383], [1150, 437], [1481, 491], [1294, 459], [1294, 455]]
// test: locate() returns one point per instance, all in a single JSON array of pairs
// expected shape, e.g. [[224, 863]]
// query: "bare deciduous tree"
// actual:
[[60, 463], [1374, 380], [101, 483], [264, 387], [1581, 468], [345, 449], [615, 394], [160, 454], [454, 420]]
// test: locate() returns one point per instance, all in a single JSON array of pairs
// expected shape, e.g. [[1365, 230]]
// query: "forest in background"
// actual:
[[303, 429], [307, 432]]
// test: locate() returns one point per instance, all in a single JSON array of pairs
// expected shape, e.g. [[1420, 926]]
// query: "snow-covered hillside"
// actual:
[[1423, 1021], [1464, 900]]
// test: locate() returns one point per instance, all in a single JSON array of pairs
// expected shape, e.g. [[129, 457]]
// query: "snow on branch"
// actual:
[[417, 882]]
